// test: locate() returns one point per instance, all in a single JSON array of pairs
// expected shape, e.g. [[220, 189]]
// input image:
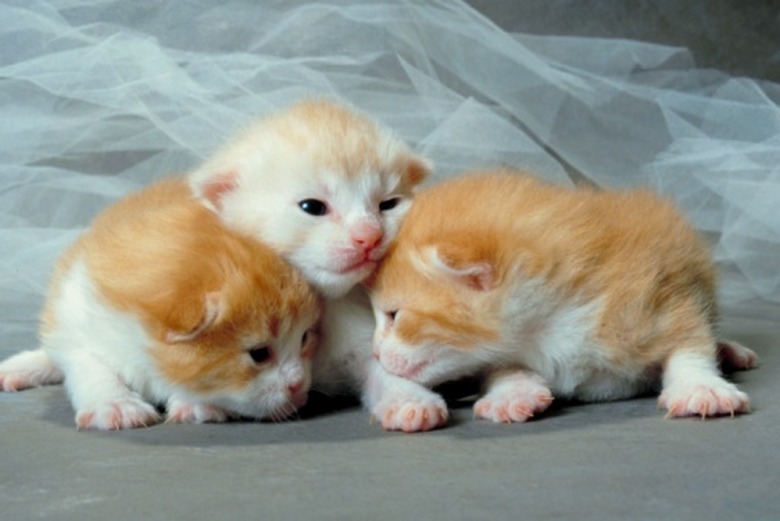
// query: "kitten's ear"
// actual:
[[210, 311], [416, 169], [212, 187], [458, 265]]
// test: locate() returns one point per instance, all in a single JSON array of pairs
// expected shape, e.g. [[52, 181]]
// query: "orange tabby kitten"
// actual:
[[550, 291], [159, 304]]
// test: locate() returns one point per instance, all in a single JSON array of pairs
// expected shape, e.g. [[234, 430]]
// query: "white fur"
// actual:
[[28, 369], [692, 386], [272, 176], [555, 344], [345, 364], [112, 381], [514, 396]]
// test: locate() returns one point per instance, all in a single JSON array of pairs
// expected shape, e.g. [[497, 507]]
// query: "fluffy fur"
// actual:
[[322, 184], [159, 304], [550, 292], [327, 188]]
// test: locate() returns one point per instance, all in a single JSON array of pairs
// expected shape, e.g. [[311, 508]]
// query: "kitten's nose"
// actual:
[[295, 387], [367, 238]]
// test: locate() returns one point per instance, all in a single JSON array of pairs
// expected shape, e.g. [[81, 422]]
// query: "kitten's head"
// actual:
[[323, 185], [437, 296], [241, 330]]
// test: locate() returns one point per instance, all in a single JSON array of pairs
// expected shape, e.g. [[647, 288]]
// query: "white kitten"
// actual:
[[327, 188]]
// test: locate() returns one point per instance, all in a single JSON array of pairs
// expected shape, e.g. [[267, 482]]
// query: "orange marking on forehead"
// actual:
[[273, 325]]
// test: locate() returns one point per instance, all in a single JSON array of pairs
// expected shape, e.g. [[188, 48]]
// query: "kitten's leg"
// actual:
[[736, 356], [692, 386], [400, 404], [186, 411], [28, 369], [101, 399], [513, 396]]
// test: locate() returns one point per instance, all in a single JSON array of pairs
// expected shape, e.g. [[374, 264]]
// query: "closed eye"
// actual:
[[260, 354], [389, 204]]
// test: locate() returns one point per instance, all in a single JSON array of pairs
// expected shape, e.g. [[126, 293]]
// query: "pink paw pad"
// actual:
[[514, 398], [512, 409], [412, 416], [704, 401], [13, 382], [126, 413], [196, 413]]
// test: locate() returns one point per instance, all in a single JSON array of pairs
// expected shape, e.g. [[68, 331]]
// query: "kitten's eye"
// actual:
[[391, 316], [389, 204], [313, 207], [260, 354]]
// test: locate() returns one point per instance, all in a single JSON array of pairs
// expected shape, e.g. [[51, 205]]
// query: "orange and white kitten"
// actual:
[[551, 291], [327, 188], [159, 304]]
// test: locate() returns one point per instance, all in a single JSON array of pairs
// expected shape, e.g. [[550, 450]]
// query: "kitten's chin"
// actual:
[[335, 284]]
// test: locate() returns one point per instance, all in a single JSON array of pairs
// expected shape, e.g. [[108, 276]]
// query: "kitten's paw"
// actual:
[[13, 381], [123, 413], [412, 414], [736, 356], [28, 369], [185, 412], [514, 399], [716, 397]]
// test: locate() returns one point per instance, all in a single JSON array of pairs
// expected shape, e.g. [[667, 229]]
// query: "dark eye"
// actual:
[[391, 315], [313, 207], [305, 338], [260, 354], [389, 204]]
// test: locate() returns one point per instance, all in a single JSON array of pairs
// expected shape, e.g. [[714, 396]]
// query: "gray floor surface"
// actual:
[[607, 461]]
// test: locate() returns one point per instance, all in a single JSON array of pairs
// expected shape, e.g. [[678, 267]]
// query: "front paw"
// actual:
[[123, 413], [715, 397], [186, 412], [514, 399], [423, 411]]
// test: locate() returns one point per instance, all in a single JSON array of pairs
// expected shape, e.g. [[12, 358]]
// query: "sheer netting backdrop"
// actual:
[[99, 97]]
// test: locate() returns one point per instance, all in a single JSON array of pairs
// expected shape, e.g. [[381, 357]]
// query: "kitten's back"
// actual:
[[631, 251], [157, 252]]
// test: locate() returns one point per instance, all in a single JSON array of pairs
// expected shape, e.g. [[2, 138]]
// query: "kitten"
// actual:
[[159, 304], [552, 291], [327, 188], [323, 185]]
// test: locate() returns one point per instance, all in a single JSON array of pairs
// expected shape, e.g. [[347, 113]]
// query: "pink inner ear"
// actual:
[[218, 185], [417, 170], [479, 276]]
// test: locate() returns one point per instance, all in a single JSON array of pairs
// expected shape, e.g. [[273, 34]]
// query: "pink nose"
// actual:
[[295, 387], [367, 237]]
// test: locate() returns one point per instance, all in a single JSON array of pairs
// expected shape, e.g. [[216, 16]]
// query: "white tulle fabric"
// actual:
[[99, 97]]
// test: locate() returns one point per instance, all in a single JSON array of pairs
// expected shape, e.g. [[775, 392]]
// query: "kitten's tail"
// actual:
[[28, 369]]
